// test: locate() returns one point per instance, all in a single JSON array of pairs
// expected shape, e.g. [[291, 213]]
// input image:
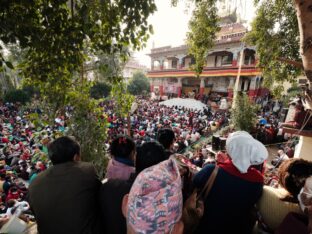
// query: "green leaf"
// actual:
[[9, 64]]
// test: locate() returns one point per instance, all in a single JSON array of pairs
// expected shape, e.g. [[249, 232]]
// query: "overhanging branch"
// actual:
[[291, 62]]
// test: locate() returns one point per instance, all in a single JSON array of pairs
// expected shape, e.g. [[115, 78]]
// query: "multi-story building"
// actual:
[[170, 72]]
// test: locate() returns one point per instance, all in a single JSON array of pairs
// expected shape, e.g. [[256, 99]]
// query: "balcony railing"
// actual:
[[223, 66]]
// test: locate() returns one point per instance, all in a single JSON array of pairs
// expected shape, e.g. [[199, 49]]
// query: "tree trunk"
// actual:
[[304, 15]]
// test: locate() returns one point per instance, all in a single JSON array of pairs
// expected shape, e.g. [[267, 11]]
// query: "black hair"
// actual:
[[63, 150], [149, 154], [166, 137], [122, 146]]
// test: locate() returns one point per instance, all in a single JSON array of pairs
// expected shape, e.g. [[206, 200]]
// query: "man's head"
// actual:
[[149, 154], [154, 204], [64, 149], [166, 137]]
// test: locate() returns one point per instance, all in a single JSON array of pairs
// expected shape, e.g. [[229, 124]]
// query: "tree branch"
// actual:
[[291, 62]]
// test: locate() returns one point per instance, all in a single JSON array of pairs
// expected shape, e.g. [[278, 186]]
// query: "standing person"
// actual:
[[166, 137], [236, 189], [64, 197], [123, 151]]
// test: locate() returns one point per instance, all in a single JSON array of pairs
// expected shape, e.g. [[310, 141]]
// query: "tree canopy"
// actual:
[[275, 34], [60, 38], [139, 84], [58, 33]]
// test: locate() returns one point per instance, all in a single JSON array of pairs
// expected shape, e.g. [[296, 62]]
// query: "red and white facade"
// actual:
[[170, 72]]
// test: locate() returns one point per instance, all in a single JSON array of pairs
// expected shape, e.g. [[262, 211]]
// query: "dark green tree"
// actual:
[[139, 84], [100, 90]]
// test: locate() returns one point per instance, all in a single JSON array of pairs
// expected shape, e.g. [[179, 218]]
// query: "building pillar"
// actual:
[[161, 90], [180, 61], [231, 87], [161, 87], [235, 58], [253, 88], [151, 87], [152, 64], [246, 81], [202, 86], [304, 148], [161, 64], [180, 87]]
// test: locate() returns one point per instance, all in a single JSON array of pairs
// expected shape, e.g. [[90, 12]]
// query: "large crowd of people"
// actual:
[[148, 187]]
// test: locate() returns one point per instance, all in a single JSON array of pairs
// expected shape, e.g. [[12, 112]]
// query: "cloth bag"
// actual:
[[193, 209]]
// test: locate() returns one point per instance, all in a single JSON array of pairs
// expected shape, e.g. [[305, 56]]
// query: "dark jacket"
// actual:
[[110, 199], [63, 199], [229, 204]]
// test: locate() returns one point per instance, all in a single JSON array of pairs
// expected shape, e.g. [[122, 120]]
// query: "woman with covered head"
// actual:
[[237, 186], [154, 204]]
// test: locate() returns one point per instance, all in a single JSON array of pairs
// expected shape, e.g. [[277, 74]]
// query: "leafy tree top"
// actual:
[[275, 34], [57, 32], [203, 28]]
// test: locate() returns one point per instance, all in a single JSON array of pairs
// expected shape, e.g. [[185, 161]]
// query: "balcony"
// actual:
[[230, 65]]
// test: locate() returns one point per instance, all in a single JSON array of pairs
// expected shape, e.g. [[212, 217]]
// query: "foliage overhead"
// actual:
[[57, 33], [203, 27], [275, 34], [61, 38], [139, 84]]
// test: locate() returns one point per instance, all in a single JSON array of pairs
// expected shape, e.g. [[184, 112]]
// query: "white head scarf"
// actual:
[[245, 151]]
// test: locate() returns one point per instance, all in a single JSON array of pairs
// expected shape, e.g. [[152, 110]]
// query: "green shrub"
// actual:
[[244, 113]]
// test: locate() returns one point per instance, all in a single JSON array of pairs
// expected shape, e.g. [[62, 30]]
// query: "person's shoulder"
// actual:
[[115, 184], [201, 177], [85, 167], [208, 168], [40, 179]]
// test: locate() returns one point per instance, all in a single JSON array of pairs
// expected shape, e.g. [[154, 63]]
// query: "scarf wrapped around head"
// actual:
[[155, 200], [245, 151]]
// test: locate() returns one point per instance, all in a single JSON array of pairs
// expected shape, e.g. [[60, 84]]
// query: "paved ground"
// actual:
[[272, 153]]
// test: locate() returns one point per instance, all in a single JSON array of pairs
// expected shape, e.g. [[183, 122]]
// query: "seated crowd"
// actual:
[[147, 187]]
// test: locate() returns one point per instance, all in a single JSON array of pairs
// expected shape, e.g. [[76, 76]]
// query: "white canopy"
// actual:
[[184, 102]]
